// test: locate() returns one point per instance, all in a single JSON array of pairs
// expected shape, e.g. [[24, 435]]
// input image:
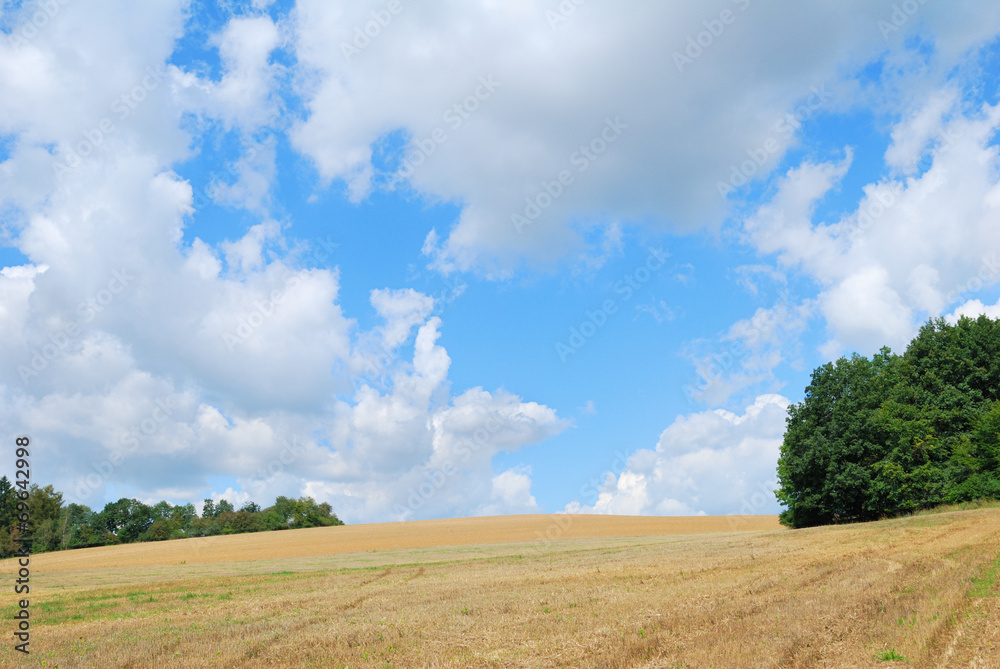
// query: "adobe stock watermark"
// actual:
[[987, 275], [714, 28], [581, 160], [206, 195], [438, 478], [882, 199], [47, 10], [129, 444], [290, 452], [588, 491], [563, 13], [887, 195], [900, 16], [626, 287], [753, 504], [370, 31], [784, 130], [263, 310], [713, 367], [377, 363], [86, 312], [449, 294], [455, 116], [122, 107]]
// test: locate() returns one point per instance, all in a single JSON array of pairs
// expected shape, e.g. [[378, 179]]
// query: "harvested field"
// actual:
[[923, 588], [391, 536]]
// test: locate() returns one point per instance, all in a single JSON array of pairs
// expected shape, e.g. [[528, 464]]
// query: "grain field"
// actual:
[[607, 592]]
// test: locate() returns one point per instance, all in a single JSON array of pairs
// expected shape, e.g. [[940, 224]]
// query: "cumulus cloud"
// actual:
[[912, 247], [145, 365], [712, 462], [566, 97], [410, 451], [243, 96], [974, 309]]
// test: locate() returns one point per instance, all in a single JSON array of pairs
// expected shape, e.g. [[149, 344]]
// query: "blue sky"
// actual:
[[470, 259]]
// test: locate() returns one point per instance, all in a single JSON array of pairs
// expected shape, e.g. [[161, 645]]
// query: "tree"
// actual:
[[831, 442], [162, 510], [126, 519], [158, 531], [224, 506], [251, 507], [208, 510], [181, 518], [8, 504], [44, 504], [894, 434], [75, 529]]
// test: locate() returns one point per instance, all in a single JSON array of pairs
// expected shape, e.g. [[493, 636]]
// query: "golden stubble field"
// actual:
[[530, 591]]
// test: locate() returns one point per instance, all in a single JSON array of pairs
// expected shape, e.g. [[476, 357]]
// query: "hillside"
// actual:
[[641, 593], [390, 536]]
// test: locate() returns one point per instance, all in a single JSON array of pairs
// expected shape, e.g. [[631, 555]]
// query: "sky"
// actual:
[[473, 257]]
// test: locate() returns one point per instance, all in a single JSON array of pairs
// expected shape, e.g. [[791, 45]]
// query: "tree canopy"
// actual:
[[54, 526], [896, 433]]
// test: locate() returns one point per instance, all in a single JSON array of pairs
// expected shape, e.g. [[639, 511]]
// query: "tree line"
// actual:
[[51, 525], [893, 434]]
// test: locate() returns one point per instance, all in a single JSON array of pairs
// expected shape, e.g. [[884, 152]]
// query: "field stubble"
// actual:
[[610, 592]]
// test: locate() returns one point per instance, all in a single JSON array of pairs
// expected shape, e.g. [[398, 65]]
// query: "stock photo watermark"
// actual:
[[987, 275], [589, 491], [47, 10], [263, 310], [561, 15], [900, 16], [784, 130], [129, 443], [22, 584], [753, 504], [290, 452], [581, 160], [371, 30], [883, 198], [597, 318], [438, 478], [714, 28], [122, 107], [710, 369], [455, 116], [207, 194], [86, 311]]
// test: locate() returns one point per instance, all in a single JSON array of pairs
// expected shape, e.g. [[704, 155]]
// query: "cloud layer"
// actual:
[[713, 462]]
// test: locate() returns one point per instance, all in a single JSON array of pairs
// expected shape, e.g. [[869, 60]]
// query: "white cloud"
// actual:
[[974, 309], [555, 89], [511, 494], [713, 462], [159, 366], [411, 451], [911, 137], [402, 310], [243, 96], [748, 354], [910, 249]]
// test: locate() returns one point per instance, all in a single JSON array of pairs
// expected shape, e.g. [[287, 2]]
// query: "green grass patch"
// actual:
[[51, 607], [982, 585], [891, 656]]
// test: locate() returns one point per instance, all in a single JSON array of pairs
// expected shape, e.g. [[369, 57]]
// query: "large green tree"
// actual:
[[894, 434]]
